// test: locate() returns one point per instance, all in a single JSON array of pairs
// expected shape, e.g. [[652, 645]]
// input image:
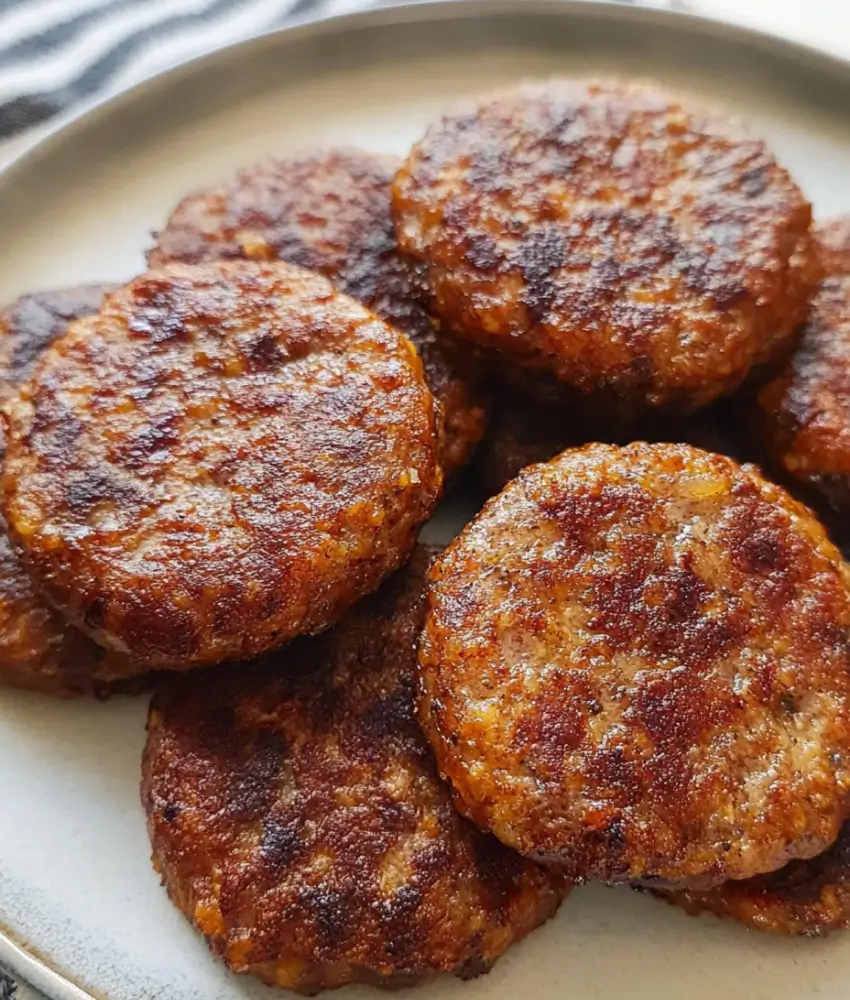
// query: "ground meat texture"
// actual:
[[39, 651], [298, 820], [330, 212], [226, 456], [628, 243], [635, 664], [804, 412], [808, 898]]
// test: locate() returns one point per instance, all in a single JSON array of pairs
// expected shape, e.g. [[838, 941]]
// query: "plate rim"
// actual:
[[15, 957], [421, 11]]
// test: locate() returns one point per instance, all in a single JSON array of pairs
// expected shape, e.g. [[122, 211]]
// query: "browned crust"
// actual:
[[807, 898], [226, 456], [297, 818], [39, 651], [804, 412], [329, 211], [635, 663], [626, 242]]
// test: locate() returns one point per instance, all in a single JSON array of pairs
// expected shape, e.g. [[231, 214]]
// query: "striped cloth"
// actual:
[[57, 53]]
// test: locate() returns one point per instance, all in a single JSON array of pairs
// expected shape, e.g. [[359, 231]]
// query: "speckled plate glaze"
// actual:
[[82, 911]]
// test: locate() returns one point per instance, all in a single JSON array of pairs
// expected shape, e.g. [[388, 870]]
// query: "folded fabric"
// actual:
[[55, 53]]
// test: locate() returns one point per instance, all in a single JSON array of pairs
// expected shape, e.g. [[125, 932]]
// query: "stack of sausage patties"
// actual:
[[631, 666]]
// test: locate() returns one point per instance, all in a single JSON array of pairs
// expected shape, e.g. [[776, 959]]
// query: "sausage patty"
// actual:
[[226, 456], [809, 898], [330, 212], [629, 243], [804, 412], [38, 649], [298, 820], [635, 663]]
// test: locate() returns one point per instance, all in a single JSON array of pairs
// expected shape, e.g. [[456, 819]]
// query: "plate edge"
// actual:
[[15, 958], [418, 11], [36, 972]]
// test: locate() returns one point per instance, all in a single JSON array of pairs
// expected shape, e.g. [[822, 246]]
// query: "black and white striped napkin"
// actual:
[[57, 53]]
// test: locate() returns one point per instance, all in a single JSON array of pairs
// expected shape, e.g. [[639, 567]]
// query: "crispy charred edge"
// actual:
[[319, 978], [33, 321], [42, 652], [68, 682], [808, 898], [182, 239], [777, 425], [75, 667], [430, 708]]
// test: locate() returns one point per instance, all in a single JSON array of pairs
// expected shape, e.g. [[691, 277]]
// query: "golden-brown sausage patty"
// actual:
[[226, 456], [330, 212], [298, 820], [625, 241], [809, 898], [635, 663], [39, 650], [804, 412]]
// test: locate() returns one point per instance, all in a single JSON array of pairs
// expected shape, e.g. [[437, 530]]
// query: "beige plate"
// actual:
[[75, 884]]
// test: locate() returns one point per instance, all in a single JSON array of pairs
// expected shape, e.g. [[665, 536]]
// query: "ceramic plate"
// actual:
[[76, 887]]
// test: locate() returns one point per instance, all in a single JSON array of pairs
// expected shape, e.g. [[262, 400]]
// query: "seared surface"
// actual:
[[805, 410], [809, 898], [228, 455], [635, 662], [628, 243], [38, 649], [298, 820], [330, 212]]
